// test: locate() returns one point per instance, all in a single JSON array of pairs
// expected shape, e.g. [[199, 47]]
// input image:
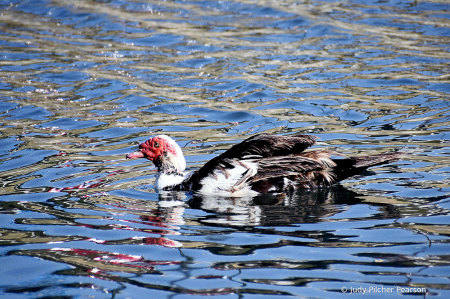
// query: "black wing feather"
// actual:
[[282, 157], [268, 145], [257, 146]]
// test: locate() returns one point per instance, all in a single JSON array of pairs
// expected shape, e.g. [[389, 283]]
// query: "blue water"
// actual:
[[83, 82]]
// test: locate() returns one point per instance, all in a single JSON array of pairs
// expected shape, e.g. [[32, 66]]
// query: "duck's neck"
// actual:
[[170, 171], [169, 164]]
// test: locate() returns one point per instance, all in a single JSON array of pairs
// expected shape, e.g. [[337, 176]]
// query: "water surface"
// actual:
[[83, 82]]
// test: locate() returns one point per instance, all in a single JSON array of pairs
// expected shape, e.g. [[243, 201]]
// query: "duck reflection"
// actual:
[[301, 206]]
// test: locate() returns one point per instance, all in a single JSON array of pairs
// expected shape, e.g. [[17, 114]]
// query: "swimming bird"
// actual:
[[263, 163]]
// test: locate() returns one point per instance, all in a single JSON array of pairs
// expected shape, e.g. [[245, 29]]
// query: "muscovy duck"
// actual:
[[263, 163]]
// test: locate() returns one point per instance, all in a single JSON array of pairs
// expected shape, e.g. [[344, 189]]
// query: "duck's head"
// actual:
[[163, 151]]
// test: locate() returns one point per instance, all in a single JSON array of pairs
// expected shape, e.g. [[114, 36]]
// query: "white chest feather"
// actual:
[[230, 181], [164, 180]]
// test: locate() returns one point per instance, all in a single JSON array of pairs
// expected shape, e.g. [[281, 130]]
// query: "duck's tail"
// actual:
[[346, 168]]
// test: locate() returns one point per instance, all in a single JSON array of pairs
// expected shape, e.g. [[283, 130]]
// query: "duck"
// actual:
[[262, 163]]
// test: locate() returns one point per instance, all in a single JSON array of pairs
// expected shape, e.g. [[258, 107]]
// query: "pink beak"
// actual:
[[137, 154]]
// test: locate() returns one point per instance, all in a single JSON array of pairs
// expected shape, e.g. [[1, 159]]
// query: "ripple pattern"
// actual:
[[83, 82]]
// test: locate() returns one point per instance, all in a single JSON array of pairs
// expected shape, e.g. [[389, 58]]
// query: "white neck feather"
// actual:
[[164, 180], [173, 155]]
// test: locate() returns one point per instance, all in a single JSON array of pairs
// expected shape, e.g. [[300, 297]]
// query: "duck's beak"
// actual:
[[134, 155]]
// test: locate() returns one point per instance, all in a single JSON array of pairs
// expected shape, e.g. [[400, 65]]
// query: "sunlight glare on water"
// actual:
[[84, 82]]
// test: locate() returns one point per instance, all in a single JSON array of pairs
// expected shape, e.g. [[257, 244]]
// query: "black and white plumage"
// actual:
[[260, 164]]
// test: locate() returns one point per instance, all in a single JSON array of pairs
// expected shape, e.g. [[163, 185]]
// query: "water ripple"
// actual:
[[83, 83]]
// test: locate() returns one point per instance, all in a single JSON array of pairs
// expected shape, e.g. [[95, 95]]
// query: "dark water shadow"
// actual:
[[301, 206]]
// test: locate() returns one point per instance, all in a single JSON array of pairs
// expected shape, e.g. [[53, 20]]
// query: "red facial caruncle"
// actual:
[[161, 149], [152, 149]]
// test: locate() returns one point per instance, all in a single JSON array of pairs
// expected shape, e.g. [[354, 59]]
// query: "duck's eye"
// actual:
[[156, 144]]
